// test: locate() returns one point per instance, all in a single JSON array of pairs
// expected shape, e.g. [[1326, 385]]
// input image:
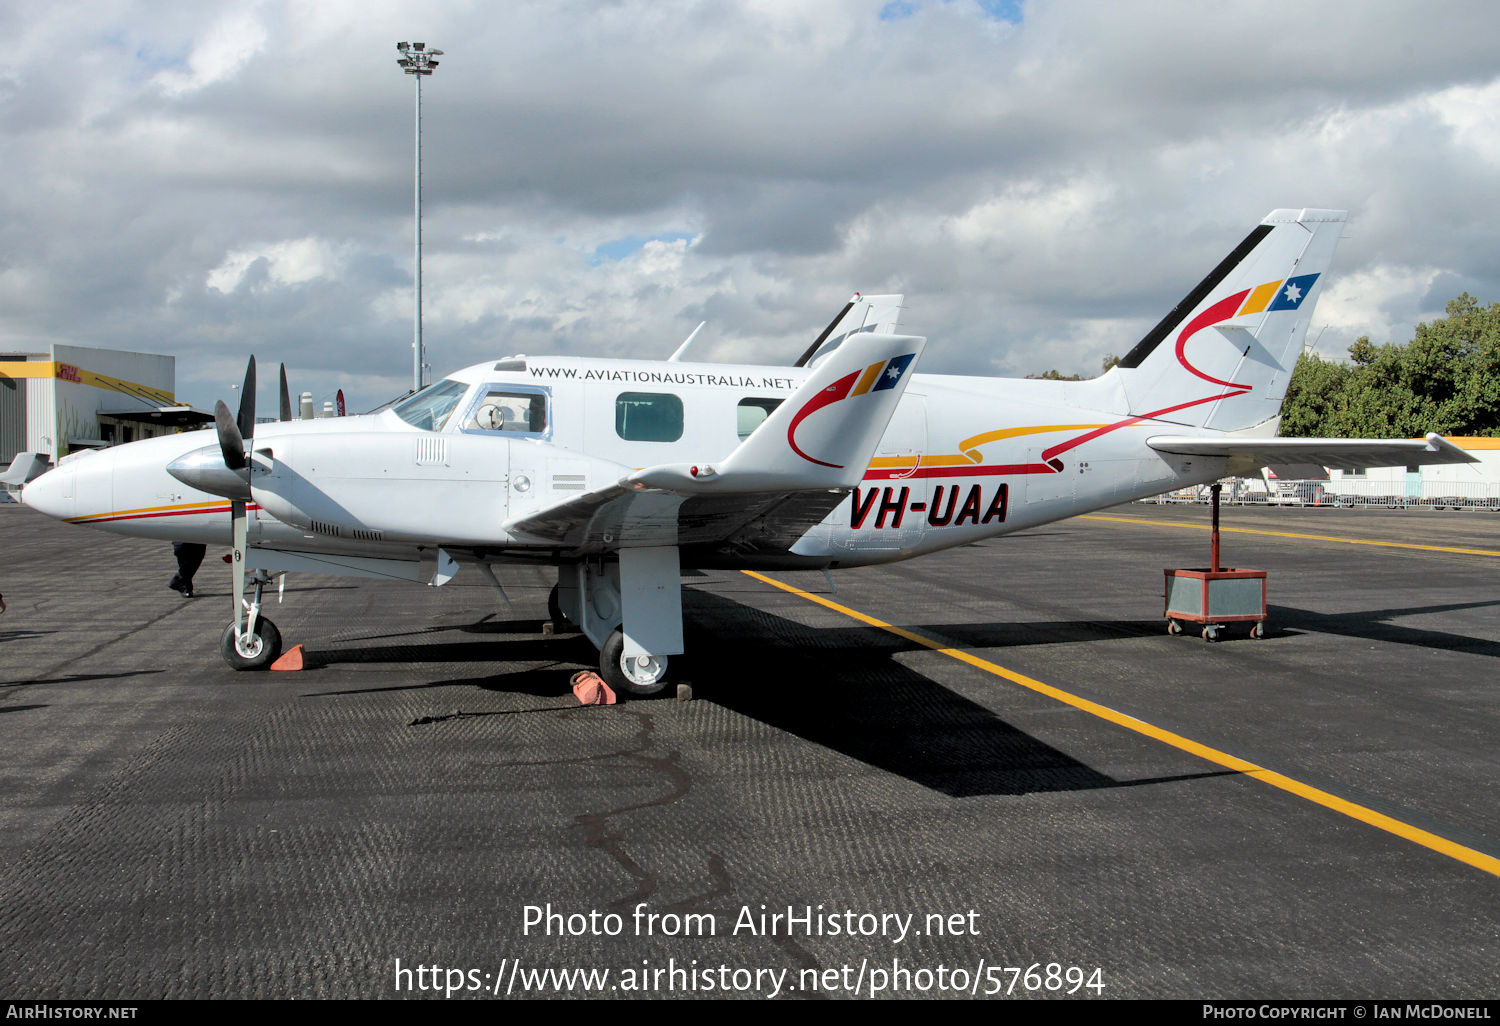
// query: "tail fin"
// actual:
[[878, 315], [1222, 358]]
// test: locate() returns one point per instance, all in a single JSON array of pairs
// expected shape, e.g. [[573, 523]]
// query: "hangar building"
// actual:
[[73, 398]]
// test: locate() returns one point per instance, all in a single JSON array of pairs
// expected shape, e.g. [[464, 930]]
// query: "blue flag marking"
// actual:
[[1292, 292], [892, 372]]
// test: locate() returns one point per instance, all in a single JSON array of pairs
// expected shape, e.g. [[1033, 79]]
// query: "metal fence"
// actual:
[[1346, 493]]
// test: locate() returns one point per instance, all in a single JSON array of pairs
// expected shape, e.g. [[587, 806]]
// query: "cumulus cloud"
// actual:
[[1042, 179]]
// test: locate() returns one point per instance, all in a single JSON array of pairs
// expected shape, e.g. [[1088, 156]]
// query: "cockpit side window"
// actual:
[[430, 408], [508, 408]]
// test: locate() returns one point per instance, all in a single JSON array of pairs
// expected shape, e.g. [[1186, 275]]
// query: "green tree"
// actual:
[[1446, 379]]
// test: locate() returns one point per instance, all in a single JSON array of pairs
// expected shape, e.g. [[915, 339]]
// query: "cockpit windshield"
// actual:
[[430, 408]]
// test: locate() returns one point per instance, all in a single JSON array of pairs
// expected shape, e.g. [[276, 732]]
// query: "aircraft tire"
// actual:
[[269, 639], [630, 675]]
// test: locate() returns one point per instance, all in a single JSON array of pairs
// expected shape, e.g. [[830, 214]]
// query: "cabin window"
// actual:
[[508, 408], [430, 408], [749, 414], [648, 417]]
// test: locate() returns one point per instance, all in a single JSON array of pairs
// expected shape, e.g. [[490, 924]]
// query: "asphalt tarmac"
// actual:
[[1022, 784]]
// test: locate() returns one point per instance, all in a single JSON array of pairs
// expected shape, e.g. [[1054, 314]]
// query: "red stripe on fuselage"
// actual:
[[167, 513]]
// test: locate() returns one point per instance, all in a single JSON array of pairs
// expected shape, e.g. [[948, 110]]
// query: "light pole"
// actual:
[[416, 60]]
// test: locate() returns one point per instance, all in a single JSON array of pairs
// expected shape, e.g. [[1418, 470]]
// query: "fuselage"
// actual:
[[961, 459]]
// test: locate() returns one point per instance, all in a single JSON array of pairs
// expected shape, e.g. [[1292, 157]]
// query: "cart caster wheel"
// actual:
[[1173, 627], [1210, 634], [1258, 631]]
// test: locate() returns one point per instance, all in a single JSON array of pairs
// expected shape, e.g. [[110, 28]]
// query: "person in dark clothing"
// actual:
[[189, 558]]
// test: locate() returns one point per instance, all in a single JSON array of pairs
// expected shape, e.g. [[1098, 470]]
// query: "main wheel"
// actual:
[[263, 646], [635, 675], [1173, 627], [1211, 633], [1258, 631]]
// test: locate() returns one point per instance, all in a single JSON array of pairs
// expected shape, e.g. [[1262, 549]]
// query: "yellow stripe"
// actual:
[[1477, 859], [868, 378], [1259, 299], [968, 445], [1289, 534], [28, 369], [77, 375], [153, 395], [887, 462], [182, 506]]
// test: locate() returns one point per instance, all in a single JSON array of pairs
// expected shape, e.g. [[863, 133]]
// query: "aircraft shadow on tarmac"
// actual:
[[75, 678], [839, 689], [1375, 625], [544, 682], [22, 635], [842, 689], [486, 625]]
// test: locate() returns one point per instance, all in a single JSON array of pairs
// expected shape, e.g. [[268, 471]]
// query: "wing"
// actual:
[[1247, 455], [785, 478]]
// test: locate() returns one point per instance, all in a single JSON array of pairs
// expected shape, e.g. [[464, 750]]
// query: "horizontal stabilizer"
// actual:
[[27, 466], [1249, 454], [810, 451], [822, 437]]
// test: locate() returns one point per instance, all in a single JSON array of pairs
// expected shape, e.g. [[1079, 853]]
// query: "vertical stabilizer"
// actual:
[[1222, 358]]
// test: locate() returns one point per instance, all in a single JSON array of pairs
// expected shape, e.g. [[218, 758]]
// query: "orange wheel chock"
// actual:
[[295, 659]]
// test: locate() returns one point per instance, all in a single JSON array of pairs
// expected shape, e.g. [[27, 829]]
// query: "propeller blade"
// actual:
[[286, 397], [231, 442], [246, 419]]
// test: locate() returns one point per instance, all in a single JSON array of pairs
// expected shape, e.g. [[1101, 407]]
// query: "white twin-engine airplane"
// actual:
[[623, 473]]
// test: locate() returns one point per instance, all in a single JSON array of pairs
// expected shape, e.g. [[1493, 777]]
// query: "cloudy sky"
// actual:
[[1041, 179]]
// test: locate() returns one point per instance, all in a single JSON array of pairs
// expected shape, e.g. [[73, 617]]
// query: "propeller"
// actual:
[[234, 430], [286, 397]]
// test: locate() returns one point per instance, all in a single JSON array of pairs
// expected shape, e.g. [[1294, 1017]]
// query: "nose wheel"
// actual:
[[255, 650]]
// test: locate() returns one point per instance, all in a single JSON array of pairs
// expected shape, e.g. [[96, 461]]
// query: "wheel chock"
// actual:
[[295, 659], [589, 688], [684, 692]]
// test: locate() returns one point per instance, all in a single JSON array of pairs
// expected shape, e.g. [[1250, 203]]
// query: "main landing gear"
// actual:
[[631, 610]]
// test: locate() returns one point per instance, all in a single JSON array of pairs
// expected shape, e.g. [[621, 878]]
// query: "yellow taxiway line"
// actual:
[[1289, 534], [1477, 859]]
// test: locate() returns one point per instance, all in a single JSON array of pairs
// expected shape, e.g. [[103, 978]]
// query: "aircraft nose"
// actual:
[[52, 493]]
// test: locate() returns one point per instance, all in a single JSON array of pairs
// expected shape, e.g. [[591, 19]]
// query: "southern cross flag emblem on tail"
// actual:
[[883, 375], [1292, 292]]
